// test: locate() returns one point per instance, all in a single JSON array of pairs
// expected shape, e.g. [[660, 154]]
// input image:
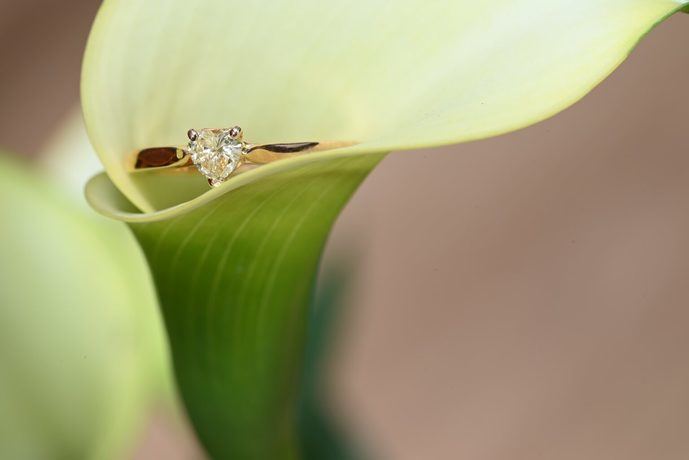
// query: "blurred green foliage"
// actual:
[[82, 355]]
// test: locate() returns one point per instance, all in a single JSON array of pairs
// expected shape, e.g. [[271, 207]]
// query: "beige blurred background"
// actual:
[[527, 299]]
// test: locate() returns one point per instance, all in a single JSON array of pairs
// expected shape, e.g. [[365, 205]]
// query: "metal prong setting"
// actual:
[[218, 152], [236, 132]]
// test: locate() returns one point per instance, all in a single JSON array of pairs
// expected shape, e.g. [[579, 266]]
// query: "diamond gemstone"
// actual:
[[216, 153]]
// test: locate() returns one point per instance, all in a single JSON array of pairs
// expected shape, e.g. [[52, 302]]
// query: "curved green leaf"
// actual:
[[322, 434], [234, 279], [79, 333], [387, 75]]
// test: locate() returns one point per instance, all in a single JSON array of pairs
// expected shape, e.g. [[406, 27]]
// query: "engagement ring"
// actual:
[[218, 152]]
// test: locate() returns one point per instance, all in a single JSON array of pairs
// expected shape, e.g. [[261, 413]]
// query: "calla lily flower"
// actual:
[[234, 266], [81, 345]]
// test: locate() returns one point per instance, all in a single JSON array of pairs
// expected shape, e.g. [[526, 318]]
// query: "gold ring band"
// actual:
[[218, 153]]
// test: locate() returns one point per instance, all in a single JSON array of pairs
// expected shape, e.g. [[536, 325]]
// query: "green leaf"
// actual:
[[387, 75], [79, 332], [234, 266], [322, 435], [234, 279]]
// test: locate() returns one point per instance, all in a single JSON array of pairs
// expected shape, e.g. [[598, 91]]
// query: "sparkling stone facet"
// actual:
[[215, 153]]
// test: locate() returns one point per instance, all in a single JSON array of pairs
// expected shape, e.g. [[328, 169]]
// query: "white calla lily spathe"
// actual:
[[386, 75], [235, 266]]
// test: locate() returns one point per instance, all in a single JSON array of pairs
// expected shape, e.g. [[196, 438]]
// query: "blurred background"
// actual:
[[528, 300]]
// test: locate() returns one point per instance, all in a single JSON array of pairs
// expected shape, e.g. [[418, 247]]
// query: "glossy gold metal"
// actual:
[[159, 158]]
